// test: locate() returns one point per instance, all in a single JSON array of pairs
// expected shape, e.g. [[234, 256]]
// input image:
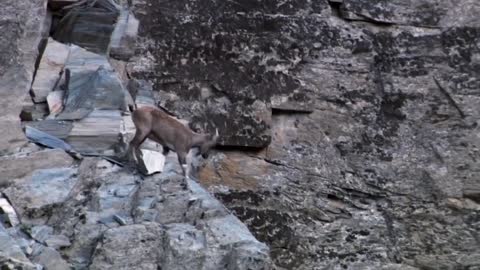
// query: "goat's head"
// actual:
[[209, 143]]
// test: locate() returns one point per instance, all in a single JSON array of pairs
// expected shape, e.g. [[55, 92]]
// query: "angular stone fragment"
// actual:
[[114, 197], [7, 210], [44, 187], [48, 140], [138, 246], [49, 258], [98, 133], [32, 111], [88, 24], [55, 102], [122, 42], [11, 254], [151, 161], [13, 167], [56, 128], [185, 247], [80, 60], [58, 241], [142, 92], [48, 73], [248, 256], [41, 233], [101, 90]]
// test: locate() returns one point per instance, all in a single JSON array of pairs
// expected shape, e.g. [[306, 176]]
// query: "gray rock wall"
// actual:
[[349, 133], [21, 26], [62, 211], [382, 174]]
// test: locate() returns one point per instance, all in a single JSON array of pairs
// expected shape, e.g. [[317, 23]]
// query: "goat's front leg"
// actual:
[[134, 146], [182, 159]]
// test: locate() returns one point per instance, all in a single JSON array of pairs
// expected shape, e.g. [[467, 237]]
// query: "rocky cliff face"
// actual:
[[61, 210], [349, 140], [350, 126]]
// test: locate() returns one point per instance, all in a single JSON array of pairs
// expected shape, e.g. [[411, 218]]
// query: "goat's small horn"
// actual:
[[216, 132]]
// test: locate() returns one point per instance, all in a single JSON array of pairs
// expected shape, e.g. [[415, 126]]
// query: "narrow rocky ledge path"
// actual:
[[98, 215]]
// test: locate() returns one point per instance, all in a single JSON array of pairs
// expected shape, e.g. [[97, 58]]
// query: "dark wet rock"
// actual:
[[88, 24], [123, 38], [221, 68]]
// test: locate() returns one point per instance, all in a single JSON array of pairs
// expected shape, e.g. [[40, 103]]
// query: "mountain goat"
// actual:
[[158, 126]]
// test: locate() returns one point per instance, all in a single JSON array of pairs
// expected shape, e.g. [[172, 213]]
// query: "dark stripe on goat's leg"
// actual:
[[165, 150]]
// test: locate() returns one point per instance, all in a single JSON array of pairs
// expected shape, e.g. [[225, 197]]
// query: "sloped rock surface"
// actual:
[[21, 165], [98, 215], [21, 25]]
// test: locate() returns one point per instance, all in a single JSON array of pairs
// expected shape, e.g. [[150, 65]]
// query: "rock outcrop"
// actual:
[[59, 210], [349, 135], [369, 110]]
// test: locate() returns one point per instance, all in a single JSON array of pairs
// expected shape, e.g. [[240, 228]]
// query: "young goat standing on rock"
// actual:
[[158, 126]]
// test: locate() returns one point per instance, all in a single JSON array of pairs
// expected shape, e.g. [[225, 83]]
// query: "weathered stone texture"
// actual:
[[382, 173], [350, 134], [21, 24]]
